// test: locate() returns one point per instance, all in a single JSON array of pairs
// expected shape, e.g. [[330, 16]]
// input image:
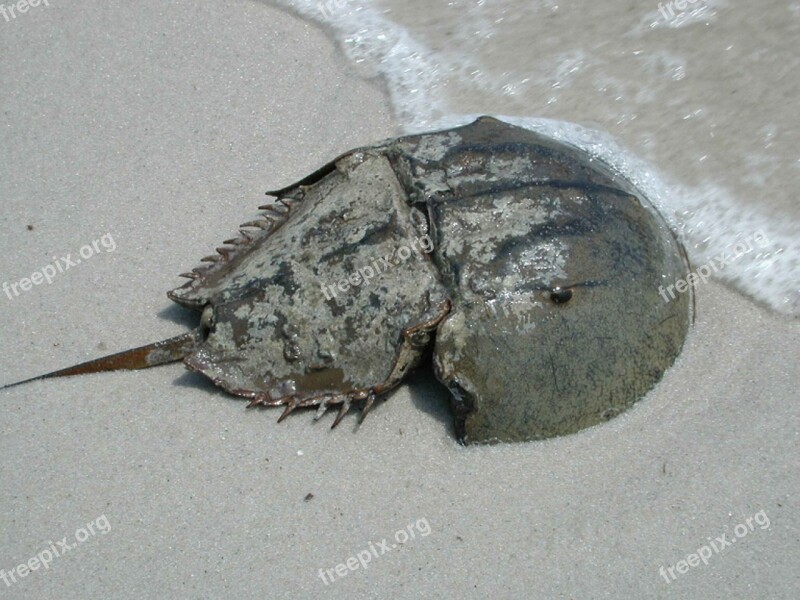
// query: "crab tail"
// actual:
[[158, 353]]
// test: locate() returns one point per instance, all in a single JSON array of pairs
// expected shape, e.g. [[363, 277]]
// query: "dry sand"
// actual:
[[161, 125]]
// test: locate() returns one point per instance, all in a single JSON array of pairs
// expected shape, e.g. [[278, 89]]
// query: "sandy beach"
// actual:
[[147, 132]]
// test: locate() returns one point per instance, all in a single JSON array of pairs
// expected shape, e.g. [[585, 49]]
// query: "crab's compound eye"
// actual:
[[560, 296]]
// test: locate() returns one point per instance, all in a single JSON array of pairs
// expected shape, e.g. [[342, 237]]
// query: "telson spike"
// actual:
[[158, 353]]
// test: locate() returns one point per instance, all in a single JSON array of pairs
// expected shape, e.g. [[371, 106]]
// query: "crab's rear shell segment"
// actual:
[[542, 287]]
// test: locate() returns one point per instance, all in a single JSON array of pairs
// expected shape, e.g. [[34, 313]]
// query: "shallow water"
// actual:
[[697, 108]]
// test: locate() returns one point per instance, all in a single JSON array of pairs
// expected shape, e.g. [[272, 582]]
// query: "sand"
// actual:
[[154, 129]]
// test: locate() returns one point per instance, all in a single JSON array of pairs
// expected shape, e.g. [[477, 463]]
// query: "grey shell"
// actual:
[[538, 294]]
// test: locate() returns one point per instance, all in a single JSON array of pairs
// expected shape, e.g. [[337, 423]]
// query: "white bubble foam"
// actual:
[[667, 15]]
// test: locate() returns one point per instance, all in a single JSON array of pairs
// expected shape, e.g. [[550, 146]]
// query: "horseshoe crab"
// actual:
[[529, 270]]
